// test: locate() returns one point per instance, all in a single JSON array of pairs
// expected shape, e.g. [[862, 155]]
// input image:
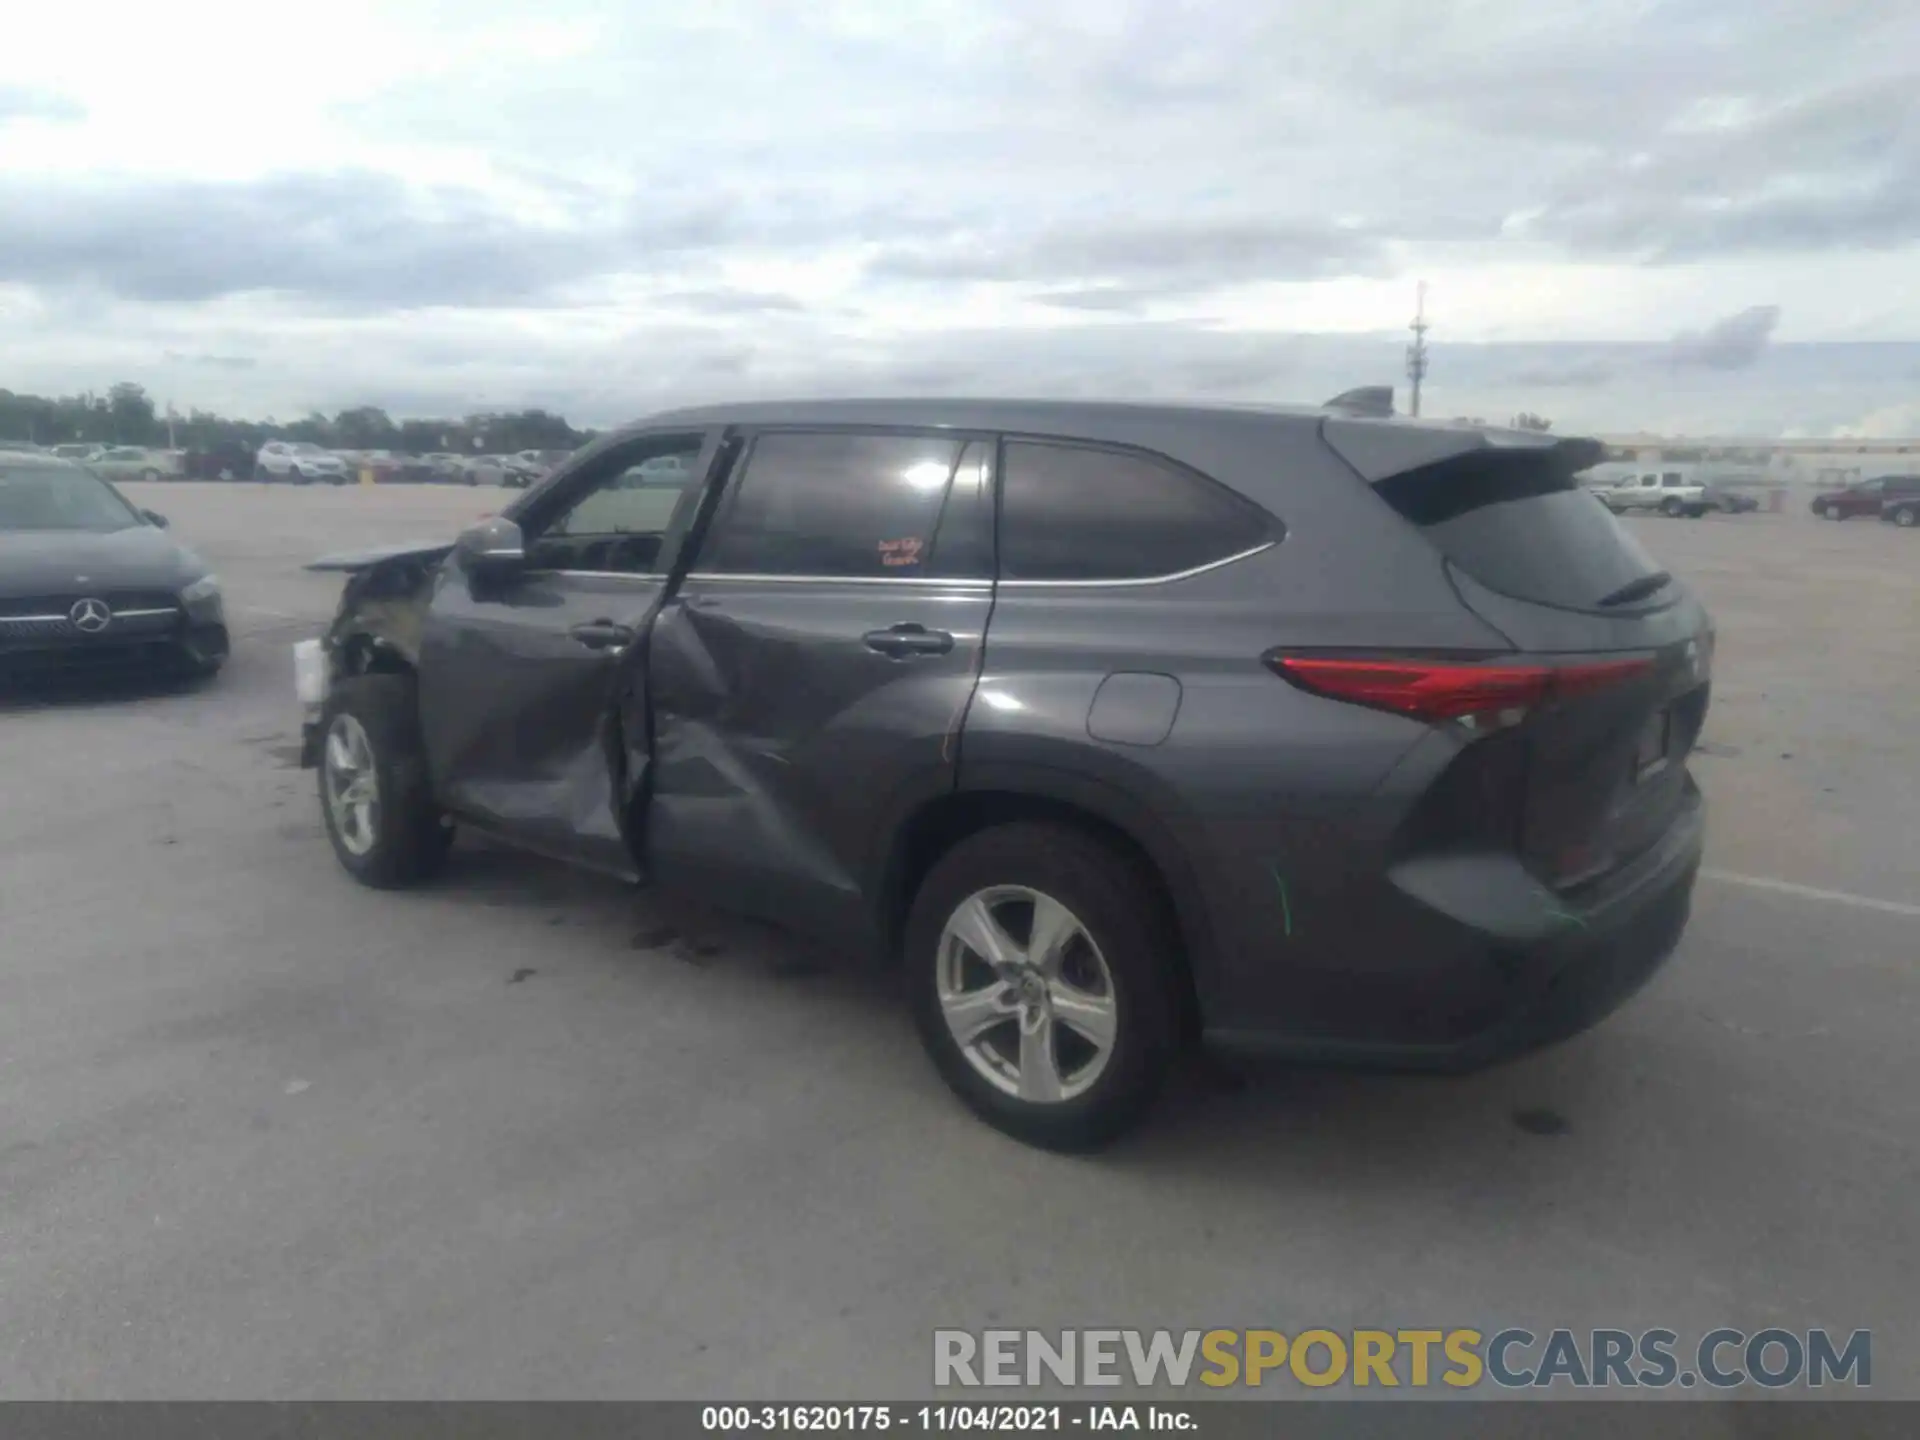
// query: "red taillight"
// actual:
[[1479, 695]]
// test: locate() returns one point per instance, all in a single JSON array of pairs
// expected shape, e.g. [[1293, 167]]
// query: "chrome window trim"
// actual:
[[963, 582], [650, 578], [975, 582], [1186, 574]]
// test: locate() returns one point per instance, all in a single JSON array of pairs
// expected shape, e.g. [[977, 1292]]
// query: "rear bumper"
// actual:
[[1542, 968]]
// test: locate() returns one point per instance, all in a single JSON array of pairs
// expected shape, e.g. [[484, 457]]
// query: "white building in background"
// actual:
[[1821, 464]]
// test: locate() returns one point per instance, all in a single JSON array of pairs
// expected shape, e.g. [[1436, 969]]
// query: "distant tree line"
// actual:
[[126, 415]]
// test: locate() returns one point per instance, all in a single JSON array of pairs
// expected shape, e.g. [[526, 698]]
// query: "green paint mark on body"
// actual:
[[1286, 905]]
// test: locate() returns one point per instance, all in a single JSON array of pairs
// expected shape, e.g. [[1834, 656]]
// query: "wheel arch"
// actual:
[[1012, 794]]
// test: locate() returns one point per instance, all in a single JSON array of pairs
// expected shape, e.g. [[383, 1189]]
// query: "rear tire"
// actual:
[[391, 834], [1907, 516], [150, 476], [1114, 974], [1672, 509]]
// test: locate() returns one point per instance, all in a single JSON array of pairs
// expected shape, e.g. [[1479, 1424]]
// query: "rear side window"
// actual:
[[1072, 512], [1517, 523], [843, 506]]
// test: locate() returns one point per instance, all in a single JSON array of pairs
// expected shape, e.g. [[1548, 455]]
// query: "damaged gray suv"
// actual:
[[1316, 732]]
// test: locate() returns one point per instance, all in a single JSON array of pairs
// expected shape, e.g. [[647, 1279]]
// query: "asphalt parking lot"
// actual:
[[264, 1133]]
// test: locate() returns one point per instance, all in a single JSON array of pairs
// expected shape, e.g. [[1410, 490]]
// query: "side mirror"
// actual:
[[492, 550], [154, 517]]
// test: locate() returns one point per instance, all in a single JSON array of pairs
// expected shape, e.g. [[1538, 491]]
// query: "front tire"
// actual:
[[150, 476], [374, 795], [1044, 983]]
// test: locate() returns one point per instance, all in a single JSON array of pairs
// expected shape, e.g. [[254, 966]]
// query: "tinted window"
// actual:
[[963, 540], [620, 523], [42, 497], [1518, 524], [1069, 512], [834, 505], [1671, 480]]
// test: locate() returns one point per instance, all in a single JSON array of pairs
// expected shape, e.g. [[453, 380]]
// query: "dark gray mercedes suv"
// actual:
[[1313, 731]]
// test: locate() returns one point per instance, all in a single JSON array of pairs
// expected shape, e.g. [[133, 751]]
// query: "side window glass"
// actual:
[[1069, 512], [963, 540], [833, 505], [619, 524]]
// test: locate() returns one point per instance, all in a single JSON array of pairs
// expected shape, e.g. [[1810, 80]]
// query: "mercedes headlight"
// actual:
[[206, 588]]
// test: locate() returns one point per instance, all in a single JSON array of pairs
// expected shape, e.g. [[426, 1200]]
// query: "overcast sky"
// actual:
[[1682, 215]]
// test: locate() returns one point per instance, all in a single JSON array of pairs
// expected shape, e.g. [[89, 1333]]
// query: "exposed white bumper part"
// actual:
[[310, 674]]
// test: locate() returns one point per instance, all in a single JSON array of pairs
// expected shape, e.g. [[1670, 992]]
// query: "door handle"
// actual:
[[907, 639], [603, 635]]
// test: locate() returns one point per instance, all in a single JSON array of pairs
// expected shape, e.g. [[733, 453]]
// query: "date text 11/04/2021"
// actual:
[[945, 1419]]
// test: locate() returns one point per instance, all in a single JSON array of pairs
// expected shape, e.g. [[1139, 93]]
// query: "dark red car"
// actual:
[[1866, 497]]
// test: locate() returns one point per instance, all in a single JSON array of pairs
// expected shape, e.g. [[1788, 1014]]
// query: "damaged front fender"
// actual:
[[378, 624]]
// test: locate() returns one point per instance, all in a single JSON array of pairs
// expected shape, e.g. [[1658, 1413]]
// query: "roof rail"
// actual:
[[1370, 400]]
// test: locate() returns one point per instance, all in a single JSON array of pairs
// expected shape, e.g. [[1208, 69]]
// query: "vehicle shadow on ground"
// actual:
[[1336, 1125], [96, 691]]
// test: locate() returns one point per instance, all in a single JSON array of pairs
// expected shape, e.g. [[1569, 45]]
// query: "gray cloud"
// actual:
[[352, 240], [732, 302], [1116, 298], [1172, 257], [213, 362], [1571, 375], [1839, 169], [1735, 343], [18, 102]]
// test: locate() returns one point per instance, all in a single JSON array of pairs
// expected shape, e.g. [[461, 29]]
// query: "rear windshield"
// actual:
[[1519, 523]]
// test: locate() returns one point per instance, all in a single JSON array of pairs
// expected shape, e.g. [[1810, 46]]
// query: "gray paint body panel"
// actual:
[[771, 759], [1131, 708]]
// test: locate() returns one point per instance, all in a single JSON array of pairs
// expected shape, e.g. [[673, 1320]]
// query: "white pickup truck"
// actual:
[[1671, 492]]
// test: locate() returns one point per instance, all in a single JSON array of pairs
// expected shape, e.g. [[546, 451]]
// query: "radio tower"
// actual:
[[1417, 351]]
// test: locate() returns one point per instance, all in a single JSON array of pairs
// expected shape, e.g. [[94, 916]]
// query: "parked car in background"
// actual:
[[1902, 508], [1670, 492], [530, 467], [1865, 497], [228, 460], [1728, 500], [80, 451], [137, 462], [492, 470], [88, 583], [299, 463], [1040, 703], [21, 447]]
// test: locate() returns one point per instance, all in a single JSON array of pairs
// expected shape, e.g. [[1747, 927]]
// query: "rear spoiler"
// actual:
[[1380, 447], [1374, 400]]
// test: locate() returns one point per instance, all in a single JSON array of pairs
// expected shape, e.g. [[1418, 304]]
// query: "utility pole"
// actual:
[[1417, 351]]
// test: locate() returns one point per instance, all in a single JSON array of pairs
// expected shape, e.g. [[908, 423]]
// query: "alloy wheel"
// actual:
[[353, 785], [1026, 994]]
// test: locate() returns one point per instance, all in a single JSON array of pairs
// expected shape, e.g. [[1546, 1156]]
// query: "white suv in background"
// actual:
[[299, 462]]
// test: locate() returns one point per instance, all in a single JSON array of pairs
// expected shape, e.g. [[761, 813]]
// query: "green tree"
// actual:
[[132, 414], [1527, 420], [365, 427]]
